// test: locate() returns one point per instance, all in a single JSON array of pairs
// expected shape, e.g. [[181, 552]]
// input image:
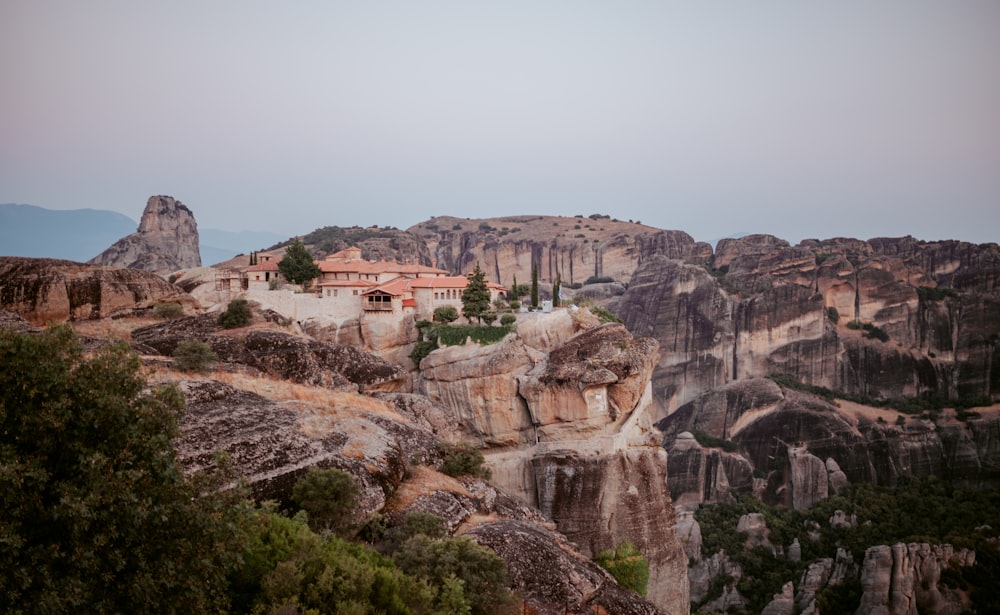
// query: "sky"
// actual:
[[797, 119]]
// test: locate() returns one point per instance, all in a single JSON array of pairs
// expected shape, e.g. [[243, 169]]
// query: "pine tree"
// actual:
[[297, 265], [476, 297], [534, 286]]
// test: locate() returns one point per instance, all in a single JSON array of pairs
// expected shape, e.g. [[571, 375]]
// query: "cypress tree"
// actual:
[[534, 286]]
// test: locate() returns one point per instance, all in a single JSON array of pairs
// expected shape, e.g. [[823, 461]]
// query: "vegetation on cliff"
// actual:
[[929, 510]]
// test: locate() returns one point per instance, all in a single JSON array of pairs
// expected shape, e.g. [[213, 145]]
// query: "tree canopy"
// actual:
[[97, 515], [476, 296], [298, 265]]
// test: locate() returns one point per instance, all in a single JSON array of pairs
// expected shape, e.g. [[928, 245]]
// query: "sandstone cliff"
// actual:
[[166, 241], [904, 579], [884, 319], [45, 290], [573, 249]]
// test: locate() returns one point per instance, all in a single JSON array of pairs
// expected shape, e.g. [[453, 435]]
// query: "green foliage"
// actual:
[[854, 324], [930, 293], [873, 332], [627, 565], [193, 356], [421, 349], [515, 305], [833, 314], [172, 278], [237, 314], [489, 317], [97, 516], [333, 238], [445, 314], [168, 310], [476, 296], [456, 335], [328, 496], [297, 265], [288, 568], [705, 439], [555, 291], [841, 599], [462, 459], [604, 315], [419, 522], [482, 573], [507, 319], [598, 280]]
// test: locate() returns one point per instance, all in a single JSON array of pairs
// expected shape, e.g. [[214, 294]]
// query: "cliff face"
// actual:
[[887, 318], [572, 248], [166, 241], [805, 449], [569, 431], [45, 290]]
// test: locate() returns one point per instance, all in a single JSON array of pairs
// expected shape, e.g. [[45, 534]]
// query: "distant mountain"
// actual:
[[75, 234], [81, 234]]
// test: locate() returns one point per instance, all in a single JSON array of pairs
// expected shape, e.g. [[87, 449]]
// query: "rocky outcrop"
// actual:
[[903, 579], [552, 578], [272, 443], [807, 448], [44, 290], [278, 353], [764, 307], [166, 241]]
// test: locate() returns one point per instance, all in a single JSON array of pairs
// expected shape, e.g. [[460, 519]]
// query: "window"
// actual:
[[355, 292]]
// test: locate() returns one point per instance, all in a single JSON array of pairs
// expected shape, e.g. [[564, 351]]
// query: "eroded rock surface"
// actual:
[[903, 579], [44, 290]]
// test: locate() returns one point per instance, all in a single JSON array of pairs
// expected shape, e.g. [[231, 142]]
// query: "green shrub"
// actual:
[[446, 314], [832, 314], [448, 563], [705, 439], [237, 314], [854, 324], [328, 496], [193, 356], [507, 319], [598, 280], [627, 565], [168, 310], [604, 315], [462, 459], [930, 293]]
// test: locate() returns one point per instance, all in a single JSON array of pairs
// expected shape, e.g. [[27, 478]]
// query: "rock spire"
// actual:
[[166, 241]]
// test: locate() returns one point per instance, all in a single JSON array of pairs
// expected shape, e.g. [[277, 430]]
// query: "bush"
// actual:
[[627, 565], [598, 280], [489, 317], [709, 441], [832, 314], [193, 356], [328, 496], [478, 573], [854, 324], [507, 319], [168, 310], [604, 315], [462, 459], [446, 314], [237, 314]]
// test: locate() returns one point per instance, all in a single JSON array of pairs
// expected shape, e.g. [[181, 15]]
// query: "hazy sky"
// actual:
[[800, 119]]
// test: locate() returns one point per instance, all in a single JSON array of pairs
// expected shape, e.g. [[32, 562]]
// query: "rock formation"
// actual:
[[570, 432], [903, 579], [45, 290], [574, 249], [930, 312], [808, 448], [166, 241]]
